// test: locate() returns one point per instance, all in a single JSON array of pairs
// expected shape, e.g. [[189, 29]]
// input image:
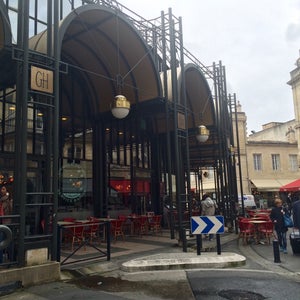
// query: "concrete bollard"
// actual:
[[276, 251]]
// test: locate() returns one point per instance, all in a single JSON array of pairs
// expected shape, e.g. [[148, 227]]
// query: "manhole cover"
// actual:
[[240, 295]]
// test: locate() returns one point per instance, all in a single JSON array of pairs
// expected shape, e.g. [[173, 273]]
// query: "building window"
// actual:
[[10, 147], [275, 162], [293, 162], [77, 152], [257, 162], [39, 122], [39, 149]]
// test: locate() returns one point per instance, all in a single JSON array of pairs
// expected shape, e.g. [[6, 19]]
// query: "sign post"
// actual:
[[207, 225]]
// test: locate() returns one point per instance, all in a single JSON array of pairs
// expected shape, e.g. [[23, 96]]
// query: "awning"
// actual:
[[124, 186], [293, 186], [270, 185]]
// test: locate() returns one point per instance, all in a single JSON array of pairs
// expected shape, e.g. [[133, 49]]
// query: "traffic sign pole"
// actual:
[[199, 243], [218, 244], [207, 225]]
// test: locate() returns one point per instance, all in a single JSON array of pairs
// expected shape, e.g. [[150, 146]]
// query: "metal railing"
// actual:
[[102, 233]]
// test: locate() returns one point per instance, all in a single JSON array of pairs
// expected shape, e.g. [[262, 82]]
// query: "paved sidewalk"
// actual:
[[263, 253], [159, 252], [138, 269]]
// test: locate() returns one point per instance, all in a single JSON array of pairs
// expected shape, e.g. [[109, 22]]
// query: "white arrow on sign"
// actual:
[[207, 224]]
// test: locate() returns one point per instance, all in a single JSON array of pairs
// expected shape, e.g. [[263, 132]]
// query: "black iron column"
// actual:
[[55, 126], [175, 117], [187, 150], [100, 181], [20, 173], [239, 154], [168, 158]]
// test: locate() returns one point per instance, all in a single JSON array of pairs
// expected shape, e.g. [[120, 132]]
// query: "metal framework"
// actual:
[[178, 153]]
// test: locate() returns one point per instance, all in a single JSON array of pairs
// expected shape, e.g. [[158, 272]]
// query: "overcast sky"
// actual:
[[257, 41]]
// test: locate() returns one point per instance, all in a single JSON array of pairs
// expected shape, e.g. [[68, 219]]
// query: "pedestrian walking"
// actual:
[[276, 216]]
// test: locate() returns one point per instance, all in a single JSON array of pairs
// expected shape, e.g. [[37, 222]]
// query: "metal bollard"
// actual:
[[184, 241], [218, 244], [199, 243], [276, 251]]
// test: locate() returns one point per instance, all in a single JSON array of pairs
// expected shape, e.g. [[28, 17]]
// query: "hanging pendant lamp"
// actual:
[[120, 107], [202, 134]]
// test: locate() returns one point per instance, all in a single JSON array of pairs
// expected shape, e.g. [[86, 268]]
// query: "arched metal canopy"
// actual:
[[7, 74], [5, 30], [106, 56], [199, 98], [202, 112]]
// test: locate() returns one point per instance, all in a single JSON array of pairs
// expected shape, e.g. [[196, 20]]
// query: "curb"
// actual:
[[175, 261]]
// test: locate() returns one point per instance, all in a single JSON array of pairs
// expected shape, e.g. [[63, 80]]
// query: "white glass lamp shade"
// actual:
[[202, 134], [120, 107]]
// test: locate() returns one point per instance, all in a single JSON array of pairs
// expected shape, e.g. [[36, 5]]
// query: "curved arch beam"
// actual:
[[88, 34]]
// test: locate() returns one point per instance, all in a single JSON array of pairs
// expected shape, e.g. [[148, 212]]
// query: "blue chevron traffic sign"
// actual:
[[207, 224]]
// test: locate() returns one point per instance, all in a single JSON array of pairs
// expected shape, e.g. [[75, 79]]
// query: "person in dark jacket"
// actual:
[[208, 208], [277, 217], [296, 214], [5, 209]]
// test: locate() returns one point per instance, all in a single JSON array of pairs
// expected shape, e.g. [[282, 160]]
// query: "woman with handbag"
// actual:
[[277, 216]]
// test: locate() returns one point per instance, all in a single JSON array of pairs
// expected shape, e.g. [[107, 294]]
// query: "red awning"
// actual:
[[124, 186], [293, 186]]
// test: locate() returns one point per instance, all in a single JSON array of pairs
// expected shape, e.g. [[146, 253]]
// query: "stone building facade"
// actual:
[[269, 158]]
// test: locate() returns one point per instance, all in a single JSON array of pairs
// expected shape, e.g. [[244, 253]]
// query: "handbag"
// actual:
[[288, 222]]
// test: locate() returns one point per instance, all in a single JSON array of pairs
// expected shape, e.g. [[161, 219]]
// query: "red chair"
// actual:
[[239, 218], [243, 219], [126, 223], [247, 231], [155, 224], [92, 230], [116, 228], [141, 225], [150, 214], [67, 231], [77, 234], [266, 230], [122, 217], [46, 228], [251, 213]]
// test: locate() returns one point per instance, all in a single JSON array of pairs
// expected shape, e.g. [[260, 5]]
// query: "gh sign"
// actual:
[[41, 80], [207, 224]]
